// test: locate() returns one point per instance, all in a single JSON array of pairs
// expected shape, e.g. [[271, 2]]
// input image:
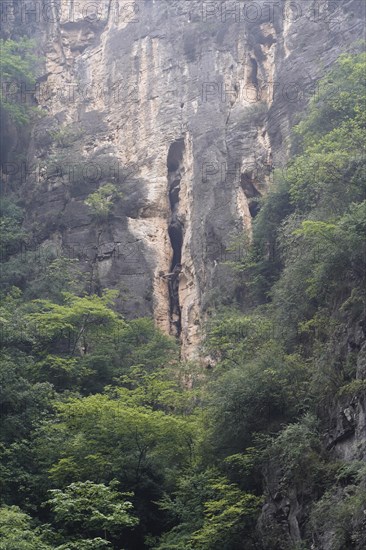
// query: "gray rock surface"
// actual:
[[123, 82], [186, 107]]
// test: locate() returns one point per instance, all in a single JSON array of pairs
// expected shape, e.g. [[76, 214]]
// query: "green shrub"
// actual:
[[101, 202]]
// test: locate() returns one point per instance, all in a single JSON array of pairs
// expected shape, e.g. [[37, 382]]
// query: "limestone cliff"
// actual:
[[186, 106]]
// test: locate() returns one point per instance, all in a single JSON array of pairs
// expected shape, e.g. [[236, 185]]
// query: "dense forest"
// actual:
[[109, 440]]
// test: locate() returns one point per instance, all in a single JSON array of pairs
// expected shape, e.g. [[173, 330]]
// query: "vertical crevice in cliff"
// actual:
[[254, 72], [249, 184], [175, 231]]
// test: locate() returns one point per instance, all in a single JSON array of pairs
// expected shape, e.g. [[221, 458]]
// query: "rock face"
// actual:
[[185, 106]]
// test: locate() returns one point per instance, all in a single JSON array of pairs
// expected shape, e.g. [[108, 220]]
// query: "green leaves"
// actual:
[[18, 65], [102, 200], [257, 396], [327, 175], [90, 508], [228, 517], [341, 95], [212, 513], [76, 321], [339, 516], [86, 544], [11, 231], [18, 532], [91, 401], [233, 337], [126, 437]]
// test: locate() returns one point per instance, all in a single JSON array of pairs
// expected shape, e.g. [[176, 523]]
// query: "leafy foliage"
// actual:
[[108, 440], [17, 531], [90, 508], [102, 200], [17, 68], [211, 512]]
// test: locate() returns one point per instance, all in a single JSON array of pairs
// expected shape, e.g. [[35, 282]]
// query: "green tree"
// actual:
[[17, 531], [210, 512], [17, 69], [107, 436], [89, 509], [256, 396], [101, 438], [102, 200], [11, 232], [229, 518], [76, 323]]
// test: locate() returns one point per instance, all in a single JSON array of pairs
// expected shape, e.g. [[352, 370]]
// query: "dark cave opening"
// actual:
[[175, 231], [175, 155], [254, 75], [254, 208], [249, 185], [174, 189]]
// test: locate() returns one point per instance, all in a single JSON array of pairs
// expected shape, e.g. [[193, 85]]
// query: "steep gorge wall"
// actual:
[[186, 106]]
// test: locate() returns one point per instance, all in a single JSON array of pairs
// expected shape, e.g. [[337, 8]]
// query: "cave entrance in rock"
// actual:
[[175, 155], [254, 72], [249, 185], [175, 231]]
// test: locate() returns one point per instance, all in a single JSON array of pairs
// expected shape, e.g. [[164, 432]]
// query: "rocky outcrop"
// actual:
[[342, 423], [186, 106], [346, 437]]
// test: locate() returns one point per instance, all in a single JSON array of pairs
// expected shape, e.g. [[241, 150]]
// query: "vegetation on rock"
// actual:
[[103, 446]]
